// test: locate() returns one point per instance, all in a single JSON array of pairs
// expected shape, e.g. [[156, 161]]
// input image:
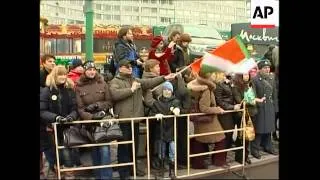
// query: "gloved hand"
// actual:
[[99, 115], [61, 119], [159, 116], [69, 119], [91, 107], [176, 111]]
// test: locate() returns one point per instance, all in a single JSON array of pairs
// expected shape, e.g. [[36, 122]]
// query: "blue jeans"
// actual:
[[102, 156], [50, 156], [70, 157], [162, 150]]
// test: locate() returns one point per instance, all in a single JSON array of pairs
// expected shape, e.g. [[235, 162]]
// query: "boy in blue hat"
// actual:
[[167, 104]]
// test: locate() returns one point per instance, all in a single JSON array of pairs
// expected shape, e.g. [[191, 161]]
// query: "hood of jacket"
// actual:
[[201, 84]]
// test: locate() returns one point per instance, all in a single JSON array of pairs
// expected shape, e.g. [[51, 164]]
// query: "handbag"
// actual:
[[107, 133], [75, 135], [249, 130]]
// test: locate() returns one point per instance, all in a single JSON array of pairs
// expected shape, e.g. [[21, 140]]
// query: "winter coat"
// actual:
[[53, 103], [225, 99], [265, 87], [127, 103], [43, 77], [177, 60], [149, 97], [125, 50], [202, 92], [182, 93], [90, 91], [74, 76], [162, 106], [164, 60]]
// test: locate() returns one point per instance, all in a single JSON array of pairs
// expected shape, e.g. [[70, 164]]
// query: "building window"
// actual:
[[79, 22], [170, 2], [145, 1], [154, 1], [98, 6], [135, 9], [180, 13], [135, 18], [164, 19], [116, 17], [126, 18], [144, 20], [145, 10], [98, 16], [62, 10], [153, 10], [170, 12], [107, 7], [163, 1], [107, 17], [163, 11], [116, 8], [127, 8]]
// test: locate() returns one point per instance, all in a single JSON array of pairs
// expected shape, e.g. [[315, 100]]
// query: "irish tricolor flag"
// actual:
[[231, 57]]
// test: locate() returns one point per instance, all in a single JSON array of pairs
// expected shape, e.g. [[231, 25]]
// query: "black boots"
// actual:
[[171, 169]]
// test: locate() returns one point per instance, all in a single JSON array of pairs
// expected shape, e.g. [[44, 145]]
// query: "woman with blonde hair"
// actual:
[[57, 104]]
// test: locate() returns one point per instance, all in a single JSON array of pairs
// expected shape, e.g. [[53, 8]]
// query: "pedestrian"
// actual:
[[167, 104], [184, 96], [151, 70], [126, 49], [202, 92], [127, 94], [225, 99], [181, 54], [242, 84], [264, 85], [275, 60], [94, 101], [161, 54], [76, 70], [48, 63], [57, 104]]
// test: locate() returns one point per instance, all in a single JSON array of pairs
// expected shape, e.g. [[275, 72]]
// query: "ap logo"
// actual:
[[264, 13]]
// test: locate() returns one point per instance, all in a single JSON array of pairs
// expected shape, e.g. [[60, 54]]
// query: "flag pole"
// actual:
[[179, 72]]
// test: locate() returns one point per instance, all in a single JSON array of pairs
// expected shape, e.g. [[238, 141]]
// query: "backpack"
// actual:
[[111, 65]]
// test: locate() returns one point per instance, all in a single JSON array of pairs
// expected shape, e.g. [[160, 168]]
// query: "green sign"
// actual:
[[158, 30]]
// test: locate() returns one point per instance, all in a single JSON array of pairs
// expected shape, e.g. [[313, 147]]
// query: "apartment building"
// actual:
[[218, 13]]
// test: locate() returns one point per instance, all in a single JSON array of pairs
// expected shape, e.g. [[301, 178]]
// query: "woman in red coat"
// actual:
[[162, 55]]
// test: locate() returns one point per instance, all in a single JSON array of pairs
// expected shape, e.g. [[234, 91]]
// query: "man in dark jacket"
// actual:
[[127, 94], [264, 85], [48, 63], [124, 48], [225, 99]]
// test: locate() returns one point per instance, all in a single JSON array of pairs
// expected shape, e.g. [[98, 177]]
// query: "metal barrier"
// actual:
[[148, 155]]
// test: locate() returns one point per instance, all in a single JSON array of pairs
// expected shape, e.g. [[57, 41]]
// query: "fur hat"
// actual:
[[155, 41], [264, 63], [88, 64]]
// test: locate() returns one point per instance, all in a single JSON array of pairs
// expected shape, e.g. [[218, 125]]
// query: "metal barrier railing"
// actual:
[[57, 147]]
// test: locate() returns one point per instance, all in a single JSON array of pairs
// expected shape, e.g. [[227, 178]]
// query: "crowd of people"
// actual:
[[148, 82]]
